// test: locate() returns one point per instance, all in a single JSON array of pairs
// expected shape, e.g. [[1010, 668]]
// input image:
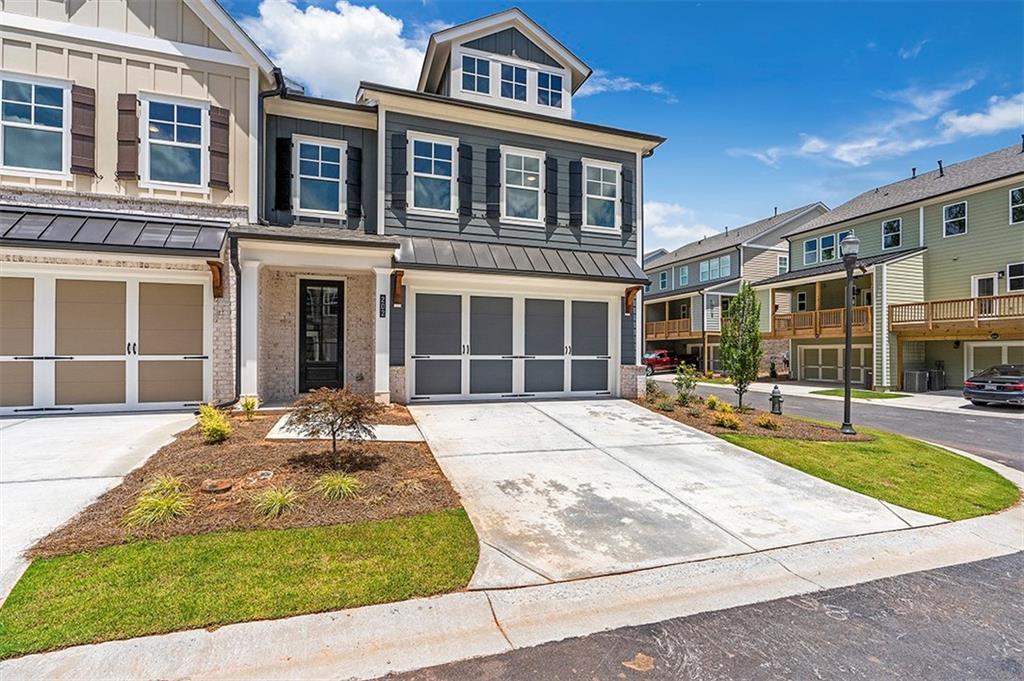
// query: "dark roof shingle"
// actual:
[[837, 266]]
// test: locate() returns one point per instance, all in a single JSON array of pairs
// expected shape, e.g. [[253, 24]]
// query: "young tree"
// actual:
[[741, 340], [685, 382], [336, 412]]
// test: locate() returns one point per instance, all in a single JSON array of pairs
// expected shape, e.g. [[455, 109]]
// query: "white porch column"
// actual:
[[248, 308], [382, 335]]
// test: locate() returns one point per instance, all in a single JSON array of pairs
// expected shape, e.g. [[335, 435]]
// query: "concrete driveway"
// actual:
[[52, 467], [567, 489]]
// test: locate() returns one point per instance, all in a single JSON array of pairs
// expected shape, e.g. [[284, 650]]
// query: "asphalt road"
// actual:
[[998, 439], [961, 622]]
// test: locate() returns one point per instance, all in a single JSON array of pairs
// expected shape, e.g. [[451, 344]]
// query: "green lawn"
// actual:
[[860, 394], [197, 581], [718, 380], [896, 469]]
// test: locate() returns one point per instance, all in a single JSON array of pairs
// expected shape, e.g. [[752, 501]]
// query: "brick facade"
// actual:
[[631, 378]]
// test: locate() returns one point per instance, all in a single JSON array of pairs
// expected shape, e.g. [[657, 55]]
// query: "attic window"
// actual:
[[476, 75], [549, 90], [513, 82]]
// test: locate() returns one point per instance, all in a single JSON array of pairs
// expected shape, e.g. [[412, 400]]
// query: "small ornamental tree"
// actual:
[[685, 382], [741, 340], [337, 412]]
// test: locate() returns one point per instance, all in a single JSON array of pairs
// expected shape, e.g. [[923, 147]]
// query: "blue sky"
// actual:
[[764, 104]]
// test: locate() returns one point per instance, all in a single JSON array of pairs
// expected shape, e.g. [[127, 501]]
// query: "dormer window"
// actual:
[[476, 75], [549, 90], [513, 82]]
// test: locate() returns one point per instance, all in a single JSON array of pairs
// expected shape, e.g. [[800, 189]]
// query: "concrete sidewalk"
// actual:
[[373, 641]]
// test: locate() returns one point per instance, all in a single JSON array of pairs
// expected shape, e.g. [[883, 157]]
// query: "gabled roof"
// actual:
[[731, 238], [440, 43], [230, 33], [837, 266], [963, 175]]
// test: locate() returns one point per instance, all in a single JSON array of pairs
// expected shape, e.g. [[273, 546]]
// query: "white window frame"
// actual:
[[684, 310], [541, 158], [1009, 278], [724, 266], [410, 193], [526, 82], [604, 165], [801, 301], [663, 279], [65, 172], [821, 247], [782, 264], [944, 220], [549, 90], [815, 251], [705, 270], [899, 233], [975, 278], [342, 146], [1009, 198], [145, 98], [683, 275], [476, 75]]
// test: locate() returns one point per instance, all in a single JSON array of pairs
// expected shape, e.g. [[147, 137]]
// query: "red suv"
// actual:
[[660, 360]]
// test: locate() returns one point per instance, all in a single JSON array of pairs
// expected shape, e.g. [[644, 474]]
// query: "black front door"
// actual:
[[321, 334]]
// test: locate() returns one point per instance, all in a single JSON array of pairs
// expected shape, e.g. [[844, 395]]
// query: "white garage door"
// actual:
[[69, 342]]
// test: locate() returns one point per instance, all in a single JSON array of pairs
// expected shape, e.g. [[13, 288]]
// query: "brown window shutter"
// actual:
[[83, 130], [220, 133], [127, 137]]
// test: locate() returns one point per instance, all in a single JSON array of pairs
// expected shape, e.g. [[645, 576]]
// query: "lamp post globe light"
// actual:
[[849, 248]]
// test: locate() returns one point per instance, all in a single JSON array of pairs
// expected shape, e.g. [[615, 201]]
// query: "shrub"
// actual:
[[654, 391], [768, 422], [665, 404], [335, 486], [725, 408], [213, 424], [159, 504], [685, 382], [337, 412], [726, 421], [249, 404], [274, 502], [695, 412], [709, 374], [712, 402]]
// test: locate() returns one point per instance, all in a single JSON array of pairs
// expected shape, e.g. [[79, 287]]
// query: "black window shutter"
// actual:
[[283, 174], [493, 183], [551, 191], [575, 193], [466, 180], [83, 130], [399, 173], [627, 200], [354, 183], [220, 146]]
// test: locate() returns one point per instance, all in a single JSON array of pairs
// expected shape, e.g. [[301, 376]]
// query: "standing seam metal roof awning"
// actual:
[[489, 258], [118, 232]]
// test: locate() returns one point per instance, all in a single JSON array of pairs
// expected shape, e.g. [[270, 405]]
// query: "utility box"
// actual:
[[936, 379], [869, 379], [915, 381]]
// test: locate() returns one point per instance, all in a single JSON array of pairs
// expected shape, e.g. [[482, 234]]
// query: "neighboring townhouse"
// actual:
[[939, 283], [128, 146], [690, 287], [464, 240]]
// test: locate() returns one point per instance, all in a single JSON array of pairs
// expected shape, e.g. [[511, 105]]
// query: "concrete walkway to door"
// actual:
[[561, 490]]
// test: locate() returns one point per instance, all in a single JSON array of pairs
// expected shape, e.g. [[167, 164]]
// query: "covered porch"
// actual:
[[674, 319]]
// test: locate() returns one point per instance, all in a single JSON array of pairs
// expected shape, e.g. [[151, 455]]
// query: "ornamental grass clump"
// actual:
[[160, 501], [213, 424], [274, 502], [726, 421], [337, 486], [665, 404], [768, 422]]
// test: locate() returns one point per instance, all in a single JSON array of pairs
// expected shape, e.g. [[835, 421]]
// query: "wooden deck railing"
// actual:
[[667, 330], [817, 323], [956, 313]]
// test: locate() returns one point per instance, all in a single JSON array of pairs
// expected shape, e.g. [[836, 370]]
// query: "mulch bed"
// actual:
[[699, 416], [399, 479], [395, 415]]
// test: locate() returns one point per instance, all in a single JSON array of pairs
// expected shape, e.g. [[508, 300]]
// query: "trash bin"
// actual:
[[869, 379], [936, 379], [915, 381]]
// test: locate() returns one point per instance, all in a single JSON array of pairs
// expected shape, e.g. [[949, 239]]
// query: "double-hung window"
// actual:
[[34, 126], [1015, 277], [684, 275], [513, 82], [725, 266], [828, 247], [892, 233], [601, 195], [810, 251], [842, 235], [714, 266], [175, 136], [433, 173], [319, 174], [524, 184], [476, 75], [663, 280], [549, 90], [783, 264], [1017, 206], [954, 219], [704, 270]]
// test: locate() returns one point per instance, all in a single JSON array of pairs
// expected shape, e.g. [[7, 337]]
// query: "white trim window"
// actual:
[[549, 89], [801, 301], [724, 266], [35, 126], [892, 233], [828, 247], [783, 265], [175, 134], [684, 275], [842, 235], [476, 75], [705, 270], [433, 163], [810, 251], [1017, 206], [523, 185], [684, 311], [601, 189], [1015, 277], [513, 82], [663, 280], [954, 219], [318, 187]]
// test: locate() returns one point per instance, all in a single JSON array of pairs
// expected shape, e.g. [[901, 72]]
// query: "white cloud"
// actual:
[[912, 51], [1003, 113], [601, 81], [331, 50], [670, 225]]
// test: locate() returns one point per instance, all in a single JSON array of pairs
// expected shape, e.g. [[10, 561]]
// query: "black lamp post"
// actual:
[[849, 247]]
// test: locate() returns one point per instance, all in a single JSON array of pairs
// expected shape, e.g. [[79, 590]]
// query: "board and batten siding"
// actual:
[[111, 70], [990, 243], [359, 138], [477, 227], [869, 231]]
